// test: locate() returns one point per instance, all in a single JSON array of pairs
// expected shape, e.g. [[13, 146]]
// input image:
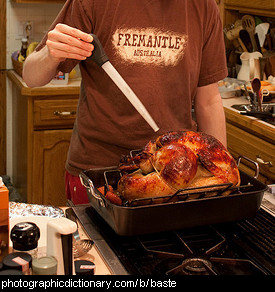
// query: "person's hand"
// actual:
[[68, 42]]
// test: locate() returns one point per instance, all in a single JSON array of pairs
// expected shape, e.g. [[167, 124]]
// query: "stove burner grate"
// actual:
[[194, 250]]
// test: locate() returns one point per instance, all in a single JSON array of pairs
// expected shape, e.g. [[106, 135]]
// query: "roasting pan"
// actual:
[[193, 208]]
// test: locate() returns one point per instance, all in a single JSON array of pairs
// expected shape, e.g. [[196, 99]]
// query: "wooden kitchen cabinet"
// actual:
[[43, 119], [253, 7], [256, 4], [49, 157], [253, 139]]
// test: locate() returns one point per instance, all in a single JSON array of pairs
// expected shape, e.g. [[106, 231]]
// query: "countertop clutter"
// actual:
[[35, 246]]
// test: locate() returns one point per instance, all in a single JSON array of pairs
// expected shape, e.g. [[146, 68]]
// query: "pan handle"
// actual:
[[257, 169], [88, 184]]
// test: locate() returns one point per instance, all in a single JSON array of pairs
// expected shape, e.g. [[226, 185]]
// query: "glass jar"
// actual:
[[44, 266], [24, 237]]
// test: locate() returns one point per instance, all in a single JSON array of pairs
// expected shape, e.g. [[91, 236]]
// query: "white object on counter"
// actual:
[[56, 228], [250, 68], [271, 189]]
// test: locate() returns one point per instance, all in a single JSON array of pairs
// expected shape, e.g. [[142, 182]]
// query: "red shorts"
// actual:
[[75, 191]]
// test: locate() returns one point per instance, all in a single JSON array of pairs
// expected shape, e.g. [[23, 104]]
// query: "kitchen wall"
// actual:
[[41, 16]]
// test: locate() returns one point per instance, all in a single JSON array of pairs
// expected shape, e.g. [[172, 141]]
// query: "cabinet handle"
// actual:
[[261, 161], [64, 114]]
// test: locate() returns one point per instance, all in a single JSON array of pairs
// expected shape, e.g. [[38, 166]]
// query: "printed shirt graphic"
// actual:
[[149, 46]]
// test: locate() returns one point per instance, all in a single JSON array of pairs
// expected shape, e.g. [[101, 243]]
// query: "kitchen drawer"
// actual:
[[260, 4], [243, 143], [54, 114]]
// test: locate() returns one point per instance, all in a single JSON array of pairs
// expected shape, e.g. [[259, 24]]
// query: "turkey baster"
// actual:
[[101, 59]]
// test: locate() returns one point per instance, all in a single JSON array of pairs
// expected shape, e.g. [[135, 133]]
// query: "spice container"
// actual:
[[18, 261], [83, 267], [25, 236], [4, 219], [44, 266]]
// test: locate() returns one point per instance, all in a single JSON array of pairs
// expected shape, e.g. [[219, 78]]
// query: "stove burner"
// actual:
[[193, 266], [196, 264]]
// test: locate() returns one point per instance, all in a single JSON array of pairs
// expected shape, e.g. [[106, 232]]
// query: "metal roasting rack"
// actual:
[[112, 177]]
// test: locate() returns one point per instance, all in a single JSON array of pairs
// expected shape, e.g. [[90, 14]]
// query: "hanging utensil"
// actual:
[[256, 86], [102, 60], [262, 29], [234, 36], [259, 49], [248, 23], [245, 38], [80, 246]]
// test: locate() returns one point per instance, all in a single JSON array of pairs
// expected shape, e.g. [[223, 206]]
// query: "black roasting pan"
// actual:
[[243, 202]]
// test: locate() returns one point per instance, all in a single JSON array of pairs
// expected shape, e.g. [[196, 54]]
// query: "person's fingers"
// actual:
[[74, 32], [67, 42], [65, 48], [56, 36], [58, 50]]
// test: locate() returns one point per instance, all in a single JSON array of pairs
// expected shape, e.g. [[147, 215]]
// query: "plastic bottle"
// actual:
[[24, 47]]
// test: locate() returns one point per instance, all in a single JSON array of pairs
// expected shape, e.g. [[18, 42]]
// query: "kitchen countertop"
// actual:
[[250, 124], [73, 87], [228, 102]]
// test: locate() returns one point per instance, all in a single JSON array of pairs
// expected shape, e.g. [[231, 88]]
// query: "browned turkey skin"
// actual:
[[177, 160]]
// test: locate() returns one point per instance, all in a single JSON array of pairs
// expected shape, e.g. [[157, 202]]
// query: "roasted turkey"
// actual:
[[175, 161]]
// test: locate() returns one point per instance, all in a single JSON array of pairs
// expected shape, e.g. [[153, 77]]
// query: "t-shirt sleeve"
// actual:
[[213, 62], [73, 14]]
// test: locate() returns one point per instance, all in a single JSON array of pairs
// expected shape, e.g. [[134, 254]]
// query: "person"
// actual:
[[171, 53]]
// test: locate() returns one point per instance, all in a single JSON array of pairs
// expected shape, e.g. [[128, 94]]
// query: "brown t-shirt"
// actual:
[[164, 49]]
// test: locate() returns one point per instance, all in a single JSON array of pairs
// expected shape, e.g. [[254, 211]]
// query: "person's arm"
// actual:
[[210, 113], [63, 42]]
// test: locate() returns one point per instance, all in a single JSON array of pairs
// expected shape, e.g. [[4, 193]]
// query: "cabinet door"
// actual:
[[260, 4], [243, 143], [49, 156]]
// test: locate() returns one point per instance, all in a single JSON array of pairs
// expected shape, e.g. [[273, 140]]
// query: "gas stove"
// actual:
[[240, 248]]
